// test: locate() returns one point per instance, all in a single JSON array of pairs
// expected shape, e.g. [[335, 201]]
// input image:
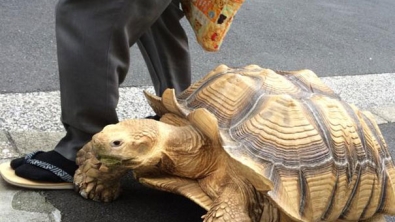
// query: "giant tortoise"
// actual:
[[250, 144]]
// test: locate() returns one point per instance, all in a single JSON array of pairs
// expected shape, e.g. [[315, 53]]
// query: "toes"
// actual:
[[17, 162]]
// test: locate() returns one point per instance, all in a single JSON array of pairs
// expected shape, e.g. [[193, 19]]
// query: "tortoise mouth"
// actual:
[[112, 160]]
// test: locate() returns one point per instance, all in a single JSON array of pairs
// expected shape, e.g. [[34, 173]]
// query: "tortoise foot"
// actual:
[[93, 180], [95, 188]]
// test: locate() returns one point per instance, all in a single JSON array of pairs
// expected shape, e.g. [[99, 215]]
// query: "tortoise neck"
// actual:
[[189, 152], [184, 139]]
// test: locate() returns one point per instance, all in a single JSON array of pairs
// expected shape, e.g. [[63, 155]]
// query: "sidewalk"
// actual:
[[19, 204]]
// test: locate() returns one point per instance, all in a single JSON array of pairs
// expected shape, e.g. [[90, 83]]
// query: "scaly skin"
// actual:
[[101, 166], [95, 181]]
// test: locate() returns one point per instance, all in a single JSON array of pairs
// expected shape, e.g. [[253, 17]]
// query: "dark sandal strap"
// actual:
[[47, 166]]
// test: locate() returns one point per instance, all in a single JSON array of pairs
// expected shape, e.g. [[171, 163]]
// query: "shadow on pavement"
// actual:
[[136, 203]]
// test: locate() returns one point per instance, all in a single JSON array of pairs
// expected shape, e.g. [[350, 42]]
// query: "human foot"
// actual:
[[45, 167]]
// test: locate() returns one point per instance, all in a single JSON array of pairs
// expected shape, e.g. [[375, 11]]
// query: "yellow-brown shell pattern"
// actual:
[[327, 159]]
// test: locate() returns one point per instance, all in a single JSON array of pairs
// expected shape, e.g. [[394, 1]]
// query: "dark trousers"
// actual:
[[93, 41]]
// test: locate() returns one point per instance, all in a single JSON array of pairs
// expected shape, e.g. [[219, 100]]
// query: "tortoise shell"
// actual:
[[327, 160]]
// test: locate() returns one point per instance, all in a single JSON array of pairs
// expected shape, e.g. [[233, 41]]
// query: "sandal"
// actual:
[[9, 175]]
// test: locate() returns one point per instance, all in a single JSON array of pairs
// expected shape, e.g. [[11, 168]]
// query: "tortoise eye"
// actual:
[[116, 143]]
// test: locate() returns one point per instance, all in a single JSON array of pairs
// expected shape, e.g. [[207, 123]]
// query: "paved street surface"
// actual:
[[350, 44]]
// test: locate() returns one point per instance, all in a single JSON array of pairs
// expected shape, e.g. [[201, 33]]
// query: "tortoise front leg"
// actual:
[[237, 202], [95, 181]]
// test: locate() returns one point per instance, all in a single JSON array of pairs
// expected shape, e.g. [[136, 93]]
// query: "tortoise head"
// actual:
[[129, 143]]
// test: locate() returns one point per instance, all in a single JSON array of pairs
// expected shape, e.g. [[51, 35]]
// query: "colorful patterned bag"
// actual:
[[210, 20]]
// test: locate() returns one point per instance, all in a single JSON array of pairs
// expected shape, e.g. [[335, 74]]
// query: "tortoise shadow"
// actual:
[[136, 203]]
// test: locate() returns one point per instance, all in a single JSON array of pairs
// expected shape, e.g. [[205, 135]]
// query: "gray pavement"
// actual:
[[350, 44]]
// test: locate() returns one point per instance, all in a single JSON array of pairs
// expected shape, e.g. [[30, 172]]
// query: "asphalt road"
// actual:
[[332, 37]]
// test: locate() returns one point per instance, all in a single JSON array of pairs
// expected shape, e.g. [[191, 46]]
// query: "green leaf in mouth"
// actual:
[[110, 161]]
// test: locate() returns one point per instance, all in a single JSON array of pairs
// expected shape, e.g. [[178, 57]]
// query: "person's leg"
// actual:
[[93, 41], [165, 50]]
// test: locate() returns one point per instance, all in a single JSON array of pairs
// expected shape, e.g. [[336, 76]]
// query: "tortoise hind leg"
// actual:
[[92, 180]]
